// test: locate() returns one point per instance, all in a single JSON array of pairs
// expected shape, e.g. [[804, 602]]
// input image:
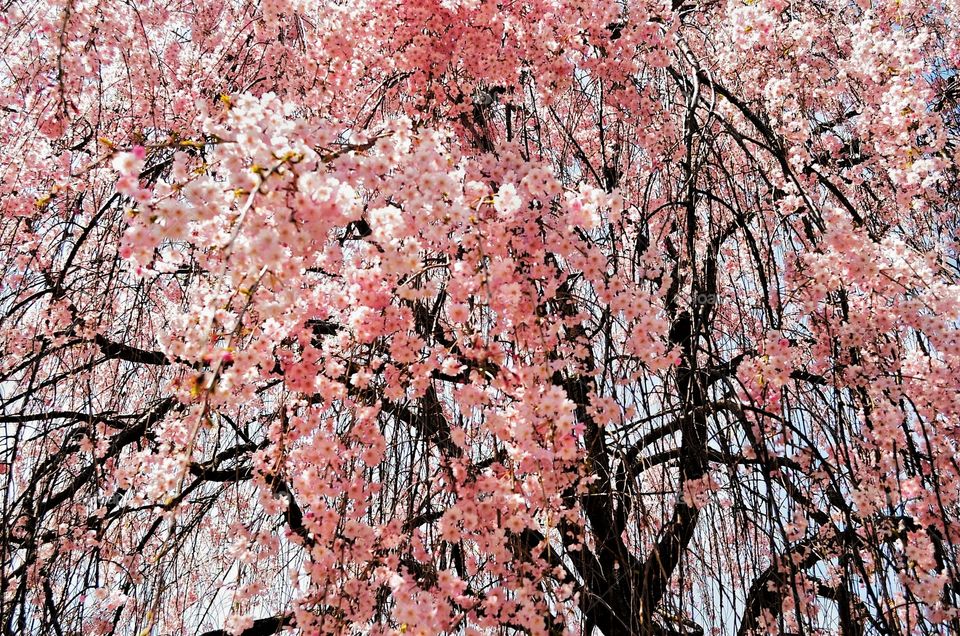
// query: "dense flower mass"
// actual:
[[620, 317]]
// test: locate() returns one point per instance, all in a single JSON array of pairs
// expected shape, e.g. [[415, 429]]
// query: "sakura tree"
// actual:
[[480, 317]]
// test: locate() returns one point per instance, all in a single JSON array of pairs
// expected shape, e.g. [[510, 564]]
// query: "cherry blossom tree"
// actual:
[[480, 317]]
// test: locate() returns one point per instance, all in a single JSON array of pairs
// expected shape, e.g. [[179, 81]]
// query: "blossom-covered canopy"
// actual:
[[479, 317]]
